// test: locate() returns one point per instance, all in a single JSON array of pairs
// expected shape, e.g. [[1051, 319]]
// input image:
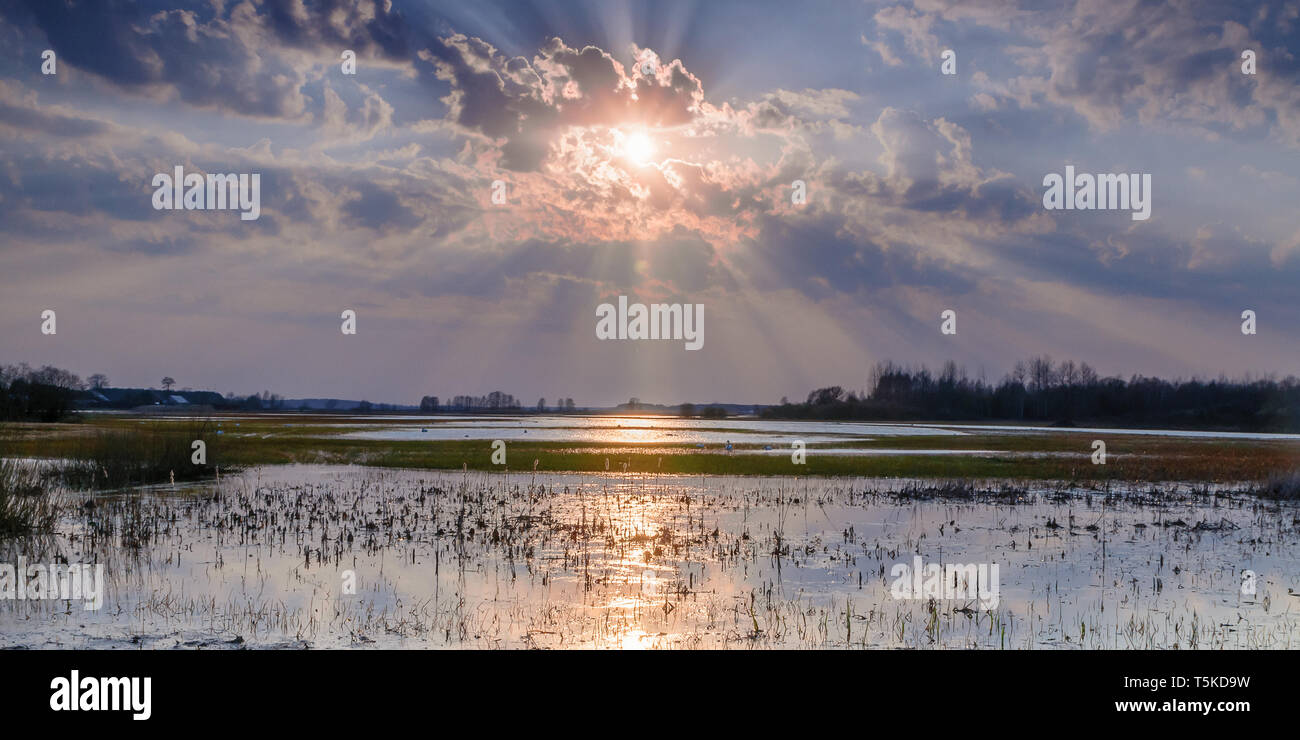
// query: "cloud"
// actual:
[[522, 106], [377, 190], [917, 30], [23, 116], [1169, 63], [250, 59]]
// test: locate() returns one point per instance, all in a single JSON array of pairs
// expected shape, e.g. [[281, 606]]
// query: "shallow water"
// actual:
[[473, 560], [638, 430], [635, 430], [1183, 433], [869, 451], [586, 434]]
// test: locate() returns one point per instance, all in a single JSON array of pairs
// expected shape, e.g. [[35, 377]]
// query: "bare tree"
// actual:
[[1069, 373], [1041, 372], [1087, 375]]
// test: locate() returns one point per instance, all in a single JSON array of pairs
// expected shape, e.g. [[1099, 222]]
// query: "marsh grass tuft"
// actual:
[[1282, 487], [156, 453], [26, 507]]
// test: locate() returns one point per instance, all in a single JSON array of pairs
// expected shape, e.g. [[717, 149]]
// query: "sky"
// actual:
[[647, 150]]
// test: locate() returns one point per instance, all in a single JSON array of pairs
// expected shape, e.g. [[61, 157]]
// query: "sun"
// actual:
[[639, 148]]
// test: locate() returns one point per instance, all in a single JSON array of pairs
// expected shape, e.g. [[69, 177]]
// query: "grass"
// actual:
[[1281, 487], [26, 507], [150, 453], [124, 450]]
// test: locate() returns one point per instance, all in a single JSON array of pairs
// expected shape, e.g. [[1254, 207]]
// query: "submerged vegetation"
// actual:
[[538, 561]]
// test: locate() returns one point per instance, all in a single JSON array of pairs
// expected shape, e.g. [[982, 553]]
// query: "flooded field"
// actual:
[[318, 556], [671, 430]]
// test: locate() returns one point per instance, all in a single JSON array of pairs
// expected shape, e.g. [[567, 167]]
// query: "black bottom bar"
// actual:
[[258, 690]]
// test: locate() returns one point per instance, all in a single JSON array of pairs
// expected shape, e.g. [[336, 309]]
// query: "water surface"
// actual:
[[486, 560]]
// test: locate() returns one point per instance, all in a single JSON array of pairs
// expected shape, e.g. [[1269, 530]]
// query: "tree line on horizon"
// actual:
[[50, 394], [36, 394], [1038, 390], [1041, 390], [494, 401]]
